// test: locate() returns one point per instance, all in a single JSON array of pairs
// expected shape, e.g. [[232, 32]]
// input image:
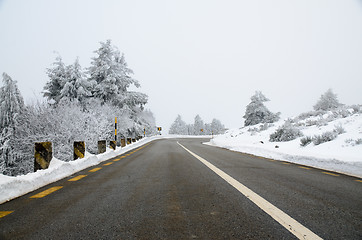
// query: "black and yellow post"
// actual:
[[43, 154], [79, 150], [112, 144], [144, 132], [115, 129], [101, 146], [129, 141]]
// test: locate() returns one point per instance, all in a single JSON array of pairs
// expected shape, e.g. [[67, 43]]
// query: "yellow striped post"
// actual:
[[115, 130], [112, 144], [43, 154], [79, 150]]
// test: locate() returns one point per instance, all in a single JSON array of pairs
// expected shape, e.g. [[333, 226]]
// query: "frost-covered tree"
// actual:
[[178, 127], [11, 108], [57, 78], [199, 126], [327, 101], [256, 112], [76, 86], [217, 127]]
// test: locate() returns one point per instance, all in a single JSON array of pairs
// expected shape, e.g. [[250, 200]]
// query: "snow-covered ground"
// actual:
[[343, 154]]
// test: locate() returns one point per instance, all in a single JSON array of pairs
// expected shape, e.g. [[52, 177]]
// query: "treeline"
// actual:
[[80, 105], [197, 128]]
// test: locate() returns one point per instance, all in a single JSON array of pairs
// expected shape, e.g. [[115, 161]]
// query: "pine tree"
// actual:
[[217, 127], [178, 126], [11, 108], [57, 79], [256, 112], [327, 101]]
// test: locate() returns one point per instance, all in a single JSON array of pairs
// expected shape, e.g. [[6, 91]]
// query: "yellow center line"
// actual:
[[123, 157], [4, 213], [332, 174], [304, 167], [95, 169], [77, 178], [115, 160], [358, 180], [286, 163], [107, 164], [46, 192]]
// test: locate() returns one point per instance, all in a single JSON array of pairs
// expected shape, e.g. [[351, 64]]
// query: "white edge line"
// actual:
[[284, 219]]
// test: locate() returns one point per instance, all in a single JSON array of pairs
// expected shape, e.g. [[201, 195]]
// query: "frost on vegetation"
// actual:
[[353, 142], [286, 132], [327, 101], [304, 141], [197, 128], [81, 106], [256, 112], [324, 137]]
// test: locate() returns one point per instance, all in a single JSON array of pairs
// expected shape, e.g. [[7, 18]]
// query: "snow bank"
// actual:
[[338, 155]]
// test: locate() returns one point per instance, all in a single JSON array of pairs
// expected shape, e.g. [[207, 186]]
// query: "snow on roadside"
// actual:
[[337, 155], [13, 187]]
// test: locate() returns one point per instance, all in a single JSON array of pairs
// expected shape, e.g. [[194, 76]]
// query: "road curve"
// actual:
[[161, 191]]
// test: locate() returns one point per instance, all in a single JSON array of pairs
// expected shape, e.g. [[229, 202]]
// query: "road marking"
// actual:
[[4, 213], [123, 157], [304, 167], [95, 169], [332, 174], [358, 180], [115, 160], [107, 164], [286, 163], [284, 219], [77, 178], [46, 192]]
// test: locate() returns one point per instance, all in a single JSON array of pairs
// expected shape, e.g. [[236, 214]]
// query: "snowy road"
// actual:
[[161, 191]]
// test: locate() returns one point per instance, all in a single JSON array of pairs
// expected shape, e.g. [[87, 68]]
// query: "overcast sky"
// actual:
[[193, 56]]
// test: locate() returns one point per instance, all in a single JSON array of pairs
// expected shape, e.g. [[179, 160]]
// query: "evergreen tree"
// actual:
[[11, 108], [327, 101], [76, 85], [199, 126], [178, 127], [256, 112], [217, 127], [57, 79]]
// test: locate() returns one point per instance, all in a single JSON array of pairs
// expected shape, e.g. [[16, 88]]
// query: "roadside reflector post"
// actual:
[[115, 129], [123, 142], [129, 141], [144, 132], [79, 150], [112, 144], [102, 146], [133, 140], [43, 154]]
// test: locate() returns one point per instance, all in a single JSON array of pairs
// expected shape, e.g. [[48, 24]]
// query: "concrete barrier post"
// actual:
[[79, 150], [43, 154], [123, 142], [101, 146], [129, 141], [112, 145], [133, 140]]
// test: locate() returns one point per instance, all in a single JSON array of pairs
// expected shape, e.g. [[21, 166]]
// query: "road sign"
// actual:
[[159, 129]]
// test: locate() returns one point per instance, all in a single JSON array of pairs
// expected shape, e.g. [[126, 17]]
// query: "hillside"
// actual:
[[341, 154]]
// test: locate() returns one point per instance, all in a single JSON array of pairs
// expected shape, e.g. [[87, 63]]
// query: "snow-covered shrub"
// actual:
[[356, 108], [354, 142], [325, 137], [305, 141], [358, 141], [285, 133], [265, 126], [309, 114], [339, 129]]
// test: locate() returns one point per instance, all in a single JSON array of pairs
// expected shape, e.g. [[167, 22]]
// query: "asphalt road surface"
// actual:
[[161, 191]]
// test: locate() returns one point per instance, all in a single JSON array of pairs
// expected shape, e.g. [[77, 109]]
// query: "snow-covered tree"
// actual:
[[256, 112], [217, 127], [11, 108], [199, 126], [76, 86], [178, 127], [327, 101], [57, 78]]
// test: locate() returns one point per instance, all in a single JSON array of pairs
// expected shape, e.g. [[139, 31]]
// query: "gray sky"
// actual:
[[196, 57]]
